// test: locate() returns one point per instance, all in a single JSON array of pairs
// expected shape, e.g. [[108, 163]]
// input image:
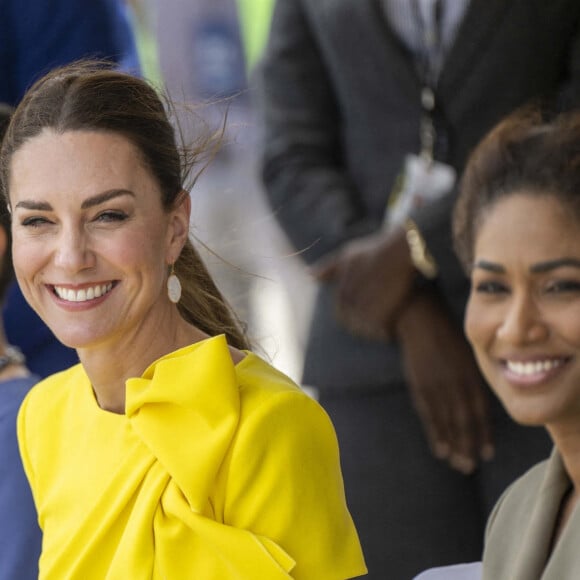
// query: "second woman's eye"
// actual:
[[563, 286], [490, 287]]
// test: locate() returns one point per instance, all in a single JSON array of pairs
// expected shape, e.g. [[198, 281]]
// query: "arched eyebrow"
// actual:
[[489, 267], [539, 268], [33, 205], [554, 264], [86, 204]]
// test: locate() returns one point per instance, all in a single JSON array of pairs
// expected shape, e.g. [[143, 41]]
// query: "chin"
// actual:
[[527, 420], [75, 341], [528, 417]]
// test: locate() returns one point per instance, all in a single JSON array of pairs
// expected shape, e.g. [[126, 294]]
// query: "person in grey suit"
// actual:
[[370, 109], [517, 231]]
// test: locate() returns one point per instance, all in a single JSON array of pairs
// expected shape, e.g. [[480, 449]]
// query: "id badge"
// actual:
[[420, 183]]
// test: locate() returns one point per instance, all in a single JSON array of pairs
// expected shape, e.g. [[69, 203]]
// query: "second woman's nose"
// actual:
[[523, 321]]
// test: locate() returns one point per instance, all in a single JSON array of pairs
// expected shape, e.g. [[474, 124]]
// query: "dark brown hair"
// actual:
[[91, 96], [530, 152]]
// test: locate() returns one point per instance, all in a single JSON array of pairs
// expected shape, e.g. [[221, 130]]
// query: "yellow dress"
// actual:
[[215, 471]]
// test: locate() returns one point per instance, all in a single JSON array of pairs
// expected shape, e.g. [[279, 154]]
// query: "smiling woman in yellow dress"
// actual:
[[171, 450], [517, 230]]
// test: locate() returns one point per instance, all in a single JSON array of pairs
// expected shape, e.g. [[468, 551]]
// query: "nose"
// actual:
[[72, 253], [523, 322]]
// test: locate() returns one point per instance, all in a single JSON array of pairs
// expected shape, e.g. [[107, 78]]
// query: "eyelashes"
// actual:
[[493, 287], [108, 216], [111, 216], [34, 222]]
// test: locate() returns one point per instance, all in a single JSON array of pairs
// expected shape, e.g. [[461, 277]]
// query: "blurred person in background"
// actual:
[[289, 317], [201, 51], [370, 109], [20, 536], [35, 36]]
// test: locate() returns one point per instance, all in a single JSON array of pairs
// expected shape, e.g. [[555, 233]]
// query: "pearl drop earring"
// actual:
[[173, 286]]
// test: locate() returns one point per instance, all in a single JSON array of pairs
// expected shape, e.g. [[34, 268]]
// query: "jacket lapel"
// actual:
[[479, 22], [401, 61], [537, 539], [562, 564]]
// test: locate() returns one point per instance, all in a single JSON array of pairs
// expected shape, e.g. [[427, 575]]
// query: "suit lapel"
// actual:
[[479, 22], [537, 538], [480, 19], [401, 61], [565, 555]]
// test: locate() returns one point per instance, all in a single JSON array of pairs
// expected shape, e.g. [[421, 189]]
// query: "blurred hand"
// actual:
[[374, 277], [445, 386]]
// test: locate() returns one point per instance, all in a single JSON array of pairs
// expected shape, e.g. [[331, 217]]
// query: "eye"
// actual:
[[490, 287], [111, 216], [35, 221], [563, 286]]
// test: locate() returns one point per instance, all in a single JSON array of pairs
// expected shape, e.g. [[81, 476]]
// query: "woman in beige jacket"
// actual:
[[517, 231]]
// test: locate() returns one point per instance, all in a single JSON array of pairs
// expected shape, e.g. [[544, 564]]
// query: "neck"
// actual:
[[109, 367]]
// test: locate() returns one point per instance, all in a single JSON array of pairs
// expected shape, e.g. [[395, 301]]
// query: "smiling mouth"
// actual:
[[532, 368], [83, 294]]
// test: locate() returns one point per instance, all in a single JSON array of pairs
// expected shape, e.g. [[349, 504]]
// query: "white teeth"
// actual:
[[83, 295], [533, 368]]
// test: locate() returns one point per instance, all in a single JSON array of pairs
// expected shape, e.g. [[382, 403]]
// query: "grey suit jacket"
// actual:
[[521, 526], [340, 97]]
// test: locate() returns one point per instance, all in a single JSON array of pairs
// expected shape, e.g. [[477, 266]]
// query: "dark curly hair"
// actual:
[[531, 151]]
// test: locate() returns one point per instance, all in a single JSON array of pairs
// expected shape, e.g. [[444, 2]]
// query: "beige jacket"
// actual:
[[520, 529]]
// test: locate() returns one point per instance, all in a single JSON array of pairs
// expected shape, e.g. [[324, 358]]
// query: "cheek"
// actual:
[[131, 245], [478, 326], [27, 261], [138, 254], [26, 255], [567, 326]]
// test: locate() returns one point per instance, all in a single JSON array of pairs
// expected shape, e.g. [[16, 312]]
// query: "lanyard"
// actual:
[[431, 46], [429, 66]]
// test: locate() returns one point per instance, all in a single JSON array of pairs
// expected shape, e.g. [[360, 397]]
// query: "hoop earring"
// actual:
[[173, 286]]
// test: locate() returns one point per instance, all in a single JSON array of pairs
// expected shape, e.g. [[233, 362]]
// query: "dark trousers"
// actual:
[[413, 512]]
